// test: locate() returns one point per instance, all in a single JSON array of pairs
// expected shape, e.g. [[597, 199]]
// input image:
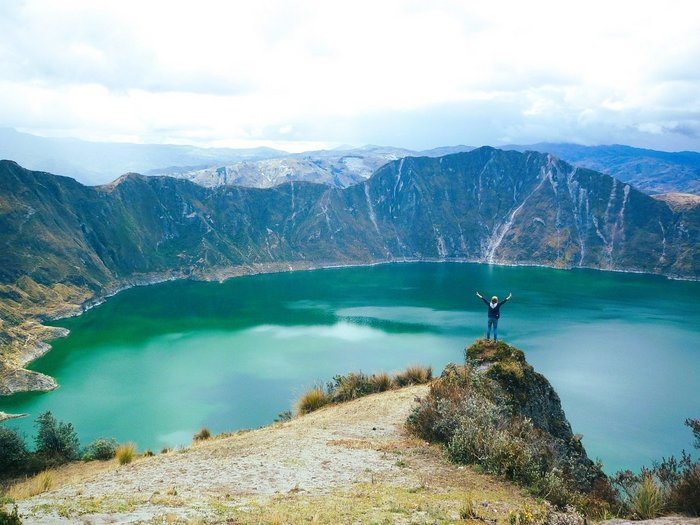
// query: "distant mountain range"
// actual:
[[653, 172], [338, 167], [65, 243], [101, 162], [92, 163], [650, 171]]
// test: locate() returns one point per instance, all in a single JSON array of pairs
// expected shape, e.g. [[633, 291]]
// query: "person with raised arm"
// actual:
[[494, 314]]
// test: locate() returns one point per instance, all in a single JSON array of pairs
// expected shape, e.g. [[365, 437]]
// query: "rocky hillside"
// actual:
[[339, 168], [66, 244]]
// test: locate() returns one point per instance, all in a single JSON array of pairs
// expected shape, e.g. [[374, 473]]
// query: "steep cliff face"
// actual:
[[507, 207], [485, 205]]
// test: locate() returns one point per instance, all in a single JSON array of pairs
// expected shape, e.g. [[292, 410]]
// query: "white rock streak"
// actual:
[[497, 238], [370, 208]]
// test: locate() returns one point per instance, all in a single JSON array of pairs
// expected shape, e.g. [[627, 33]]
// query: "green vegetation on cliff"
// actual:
[[498, 413]]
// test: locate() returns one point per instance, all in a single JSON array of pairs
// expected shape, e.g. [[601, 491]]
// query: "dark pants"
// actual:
[[492, 322]]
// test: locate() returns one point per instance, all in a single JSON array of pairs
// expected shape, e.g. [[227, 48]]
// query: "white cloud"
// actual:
[[392, 72]]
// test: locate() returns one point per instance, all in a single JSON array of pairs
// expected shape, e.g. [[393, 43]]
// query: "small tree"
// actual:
[[55, 440], [13, 452]]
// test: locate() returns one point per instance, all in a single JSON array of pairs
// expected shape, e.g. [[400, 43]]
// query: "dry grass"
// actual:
[[126, 453], [413, 375], [470, 509], [373, 503], [71, 474], [381, 382], [42, 482], [312, 400], [425, 489]]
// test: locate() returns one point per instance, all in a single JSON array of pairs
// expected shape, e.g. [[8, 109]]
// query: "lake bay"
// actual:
[[155, 364]]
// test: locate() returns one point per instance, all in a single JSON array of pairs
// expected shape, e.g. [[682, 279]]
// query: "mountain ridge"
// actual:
[[650, 171]]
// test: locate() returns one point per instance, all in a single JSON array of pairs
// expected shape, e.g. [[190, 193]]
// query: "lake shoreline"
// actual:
[[31, 381]]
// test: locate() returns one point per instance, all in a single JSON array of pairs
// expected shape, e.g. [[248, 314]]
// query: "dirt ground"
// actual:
[[357, 450], [349, 463]]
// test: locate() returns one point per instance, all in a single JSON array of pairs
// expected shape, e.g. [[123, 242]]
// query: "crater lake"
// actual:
[[155, 364]]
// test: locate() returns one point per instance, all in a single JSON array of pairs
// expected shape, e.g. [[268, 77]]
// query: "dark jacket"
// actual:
[[496, 311]]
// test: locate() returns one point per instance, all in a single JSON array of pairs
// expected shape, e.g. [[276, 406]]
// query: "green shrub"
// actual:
[[684, 496], [101, 449], [202, 435], [13, 452], [10, 518], [312, 400], [55, 440], [125, 453]]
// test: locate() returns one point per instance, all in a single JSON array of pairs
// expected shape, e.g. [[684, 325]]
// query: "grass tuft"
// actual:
[[126, 453], [312, 400], [381, 382], [469, 511], [648, 502]]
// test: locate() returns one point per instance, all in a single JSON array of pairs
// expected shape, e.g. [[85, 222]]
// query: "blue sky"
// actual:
[[305, 74]]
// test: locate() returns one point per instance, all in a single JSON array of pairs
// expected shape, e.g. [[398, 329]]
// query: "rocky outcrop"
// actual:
[[21, 380], [497, 412], [527, 393]]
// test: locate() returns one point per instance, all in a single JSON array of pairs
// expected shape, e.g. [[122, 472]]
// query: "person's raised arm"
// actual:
[[479, 295], [509, 296]]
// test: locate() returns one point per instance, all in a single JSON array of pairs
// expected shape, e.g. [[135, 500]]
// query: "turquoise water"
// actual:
[[155, 364]]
